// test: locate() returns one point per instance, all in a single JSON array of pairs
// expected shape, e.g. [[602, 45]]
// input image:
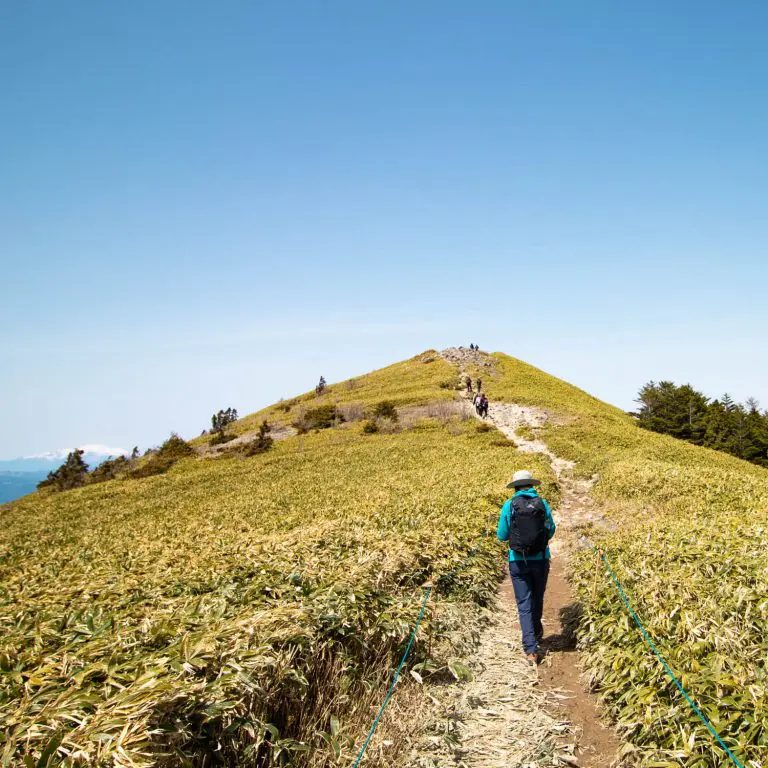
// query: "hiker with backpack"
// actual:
[[483, 406], [469, 383], [526, 523]]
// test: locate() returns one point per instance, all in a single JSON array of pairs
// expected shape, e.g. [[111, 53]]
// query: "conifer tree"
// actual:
[[677, 411], [222, 418], [723, 424], [71, 474]]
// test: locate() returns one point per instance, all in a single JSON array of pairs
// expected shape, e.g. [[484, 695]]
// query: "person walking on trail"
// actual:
[[479, 384], [483, 411], [526, 523], [469, 383]]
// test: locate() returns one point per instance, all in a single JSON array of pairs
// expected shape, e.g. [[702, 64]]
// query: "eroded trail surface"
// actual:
[[596, 745], [511, 715]]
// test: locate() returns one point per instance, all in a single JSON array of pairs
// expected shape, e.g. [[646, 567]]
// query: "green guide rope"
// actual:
[[649, 642], [375, 724]]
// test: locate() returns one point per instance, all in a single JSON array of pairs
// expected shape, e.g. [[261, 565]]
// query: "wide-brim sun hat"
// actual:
[[523, 478]]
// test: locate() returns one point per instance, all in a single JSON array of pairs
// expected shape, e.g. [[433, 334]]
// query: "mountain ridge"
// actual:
[[314, 550]]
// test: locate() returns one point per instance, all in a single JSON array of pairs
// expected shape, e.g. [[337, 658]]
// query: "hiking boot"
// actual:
[[533, 659]]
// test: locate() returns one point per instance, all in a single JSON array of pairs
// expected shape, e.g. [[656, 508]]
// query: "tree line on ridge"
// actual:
[[740, 429]]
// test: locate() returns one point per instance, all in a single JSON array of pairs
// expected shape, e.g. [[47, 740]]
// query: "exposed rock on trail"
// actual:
[[461, 357]]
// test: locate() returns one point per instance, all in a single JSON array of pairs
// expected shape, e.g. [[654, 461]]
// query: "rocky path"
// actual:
[[510, 715]]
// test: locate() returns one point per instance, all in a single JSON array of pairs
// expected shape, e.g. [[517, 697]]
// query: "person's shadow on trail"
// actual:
[[565, 640]]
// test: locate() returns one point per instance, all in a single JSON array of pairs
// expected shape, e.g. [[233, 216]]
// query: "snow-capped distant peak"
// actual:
[[92, 449]]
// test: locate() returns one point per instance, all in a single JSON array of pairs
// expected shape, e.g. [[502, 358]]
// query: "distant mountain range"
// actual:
[[19, 477]]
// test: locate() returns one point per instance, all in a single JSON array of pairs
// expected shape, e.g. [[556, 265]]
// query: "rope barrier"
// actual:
[[649, 642], [375, 724]]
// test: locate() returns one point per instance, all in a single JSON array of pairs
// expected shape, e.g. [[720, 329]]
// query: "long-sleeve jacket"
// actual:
[[505, 522]]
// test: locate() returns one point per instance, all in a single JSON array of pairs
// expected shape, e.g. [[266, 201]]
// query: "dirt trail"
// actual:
[[511, 715], [597, 745], [207, 451]]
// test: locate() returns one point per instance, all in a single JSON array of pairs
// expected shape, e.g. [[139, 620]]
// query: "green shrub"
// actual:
[[173, 449], [221, 437], [370, 427], [321, 417], [483, 427], [386, 410], [153, 465], [109, 469], [262, 443]]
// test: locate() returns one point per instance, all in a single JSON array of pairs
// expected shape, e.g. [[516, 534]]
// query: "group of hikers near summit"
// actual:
[[479, 400], [526, 523]]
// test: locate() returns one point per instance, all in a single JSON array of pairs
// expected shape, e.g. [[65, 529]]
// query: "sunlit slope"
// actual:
[[422, 379], [250, 608], [253, 607], [690, 545]]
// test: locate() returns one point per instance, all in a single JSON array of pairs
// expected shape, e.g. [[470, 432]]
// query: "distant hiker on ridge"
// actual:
[[526, 523]]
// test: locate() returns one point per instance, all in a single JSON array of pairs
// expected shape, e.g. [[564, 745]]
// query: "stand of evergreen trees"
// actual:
[[736, 428], [222, 418]]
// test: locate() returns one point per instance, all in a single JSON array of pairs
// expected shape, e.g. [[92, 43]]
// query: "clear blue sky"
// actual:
[[207, 204]]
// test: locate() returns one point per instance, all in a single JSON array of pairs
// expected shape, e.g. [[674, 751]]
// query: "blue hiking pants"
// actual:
[[529, 580]]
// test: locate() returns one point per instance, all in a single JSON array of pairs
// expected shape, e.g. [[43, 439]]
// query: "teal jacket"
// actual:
[[505, 521]]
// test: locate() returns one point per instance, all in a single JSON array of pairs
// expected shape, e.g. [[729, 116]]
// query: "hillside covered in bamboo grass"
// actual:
[[248, 609]]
